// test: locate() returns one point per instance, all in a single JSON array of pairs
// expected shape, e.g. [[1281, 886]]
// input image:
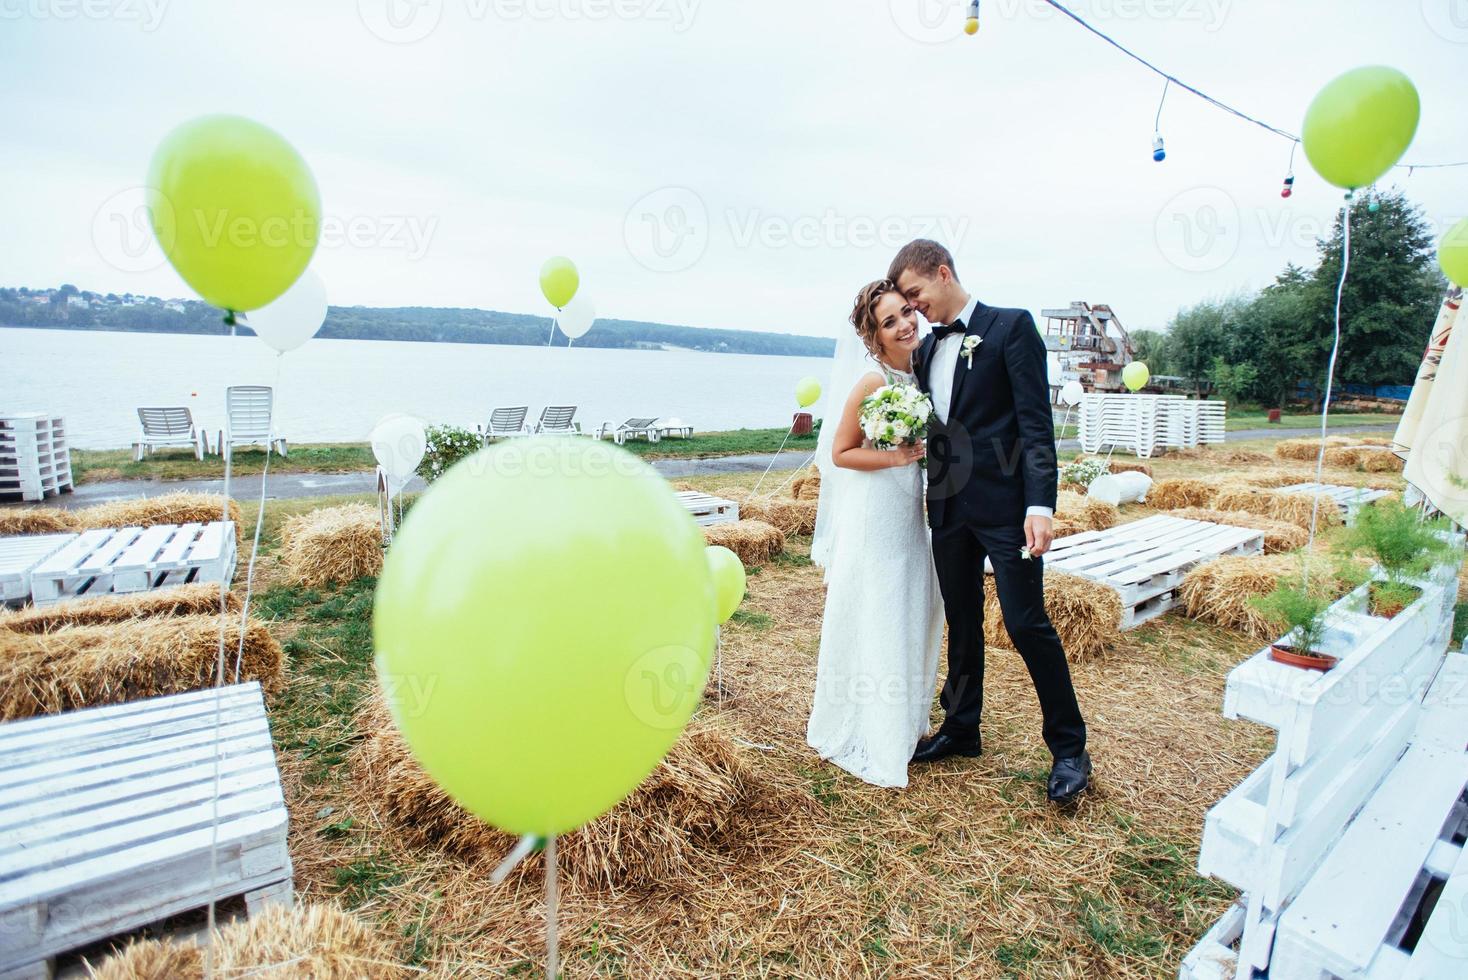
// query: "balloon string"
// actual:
[[522, 849], [259, 514], [775, 457], [1329, 385], [552, 336], [719, 663], [808, 460], [552, 936]]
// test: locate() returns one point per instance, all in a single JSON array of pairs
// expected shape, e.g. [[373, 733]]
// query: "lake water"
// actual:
[[336, 390]]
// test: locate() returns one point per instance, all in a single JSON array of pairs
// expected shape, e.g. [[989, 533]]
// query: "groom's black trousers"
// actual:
[[959, 549]]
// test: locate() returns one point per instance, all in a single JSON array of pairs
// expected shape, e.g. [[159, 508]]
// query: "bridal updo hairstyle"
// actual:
[[864, 313]]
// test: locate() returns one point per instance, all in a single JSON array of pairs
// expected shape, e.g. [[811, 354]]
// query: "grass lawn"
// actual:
[[1260, 420]]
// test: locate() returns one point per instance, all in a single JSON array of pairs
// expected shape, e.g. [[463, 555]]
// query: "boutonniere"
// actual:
[[970, 343], [1024, 552]]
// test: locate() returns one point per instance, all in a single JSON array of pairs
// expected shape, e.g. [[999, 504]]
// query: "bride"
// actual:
[[883, 622]]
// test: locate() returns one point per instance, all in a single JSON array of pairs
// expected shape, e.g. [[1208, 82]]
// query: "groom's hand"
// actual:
[[1039, 532]]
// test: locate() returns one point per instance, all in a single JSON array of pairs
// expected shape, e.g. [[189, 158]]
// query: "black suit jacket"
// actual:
[[995, 456]]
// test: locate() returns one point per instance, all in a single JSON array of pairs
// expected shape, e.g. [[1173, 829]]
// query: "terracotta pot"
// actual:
[[1309, 661]]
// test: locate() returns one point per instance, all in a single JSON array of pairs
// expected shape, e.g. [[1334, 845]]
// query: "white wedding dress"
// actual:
[[883, 623]]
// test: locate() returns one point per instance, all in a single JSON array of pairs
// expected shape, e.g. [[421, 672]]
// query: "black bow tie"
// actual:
[[940, 331]]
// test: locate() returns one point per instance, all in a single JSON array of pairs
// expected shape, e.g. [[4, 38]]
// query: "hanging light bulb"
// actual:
[[971, 26], [1158, 152], [1289, 186]]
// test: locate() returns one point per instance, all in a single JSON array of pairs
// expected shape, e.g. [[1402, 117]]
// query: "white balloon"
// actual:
[[1072, 393], [577, 316], [294, 317], [398, 442], [1120, 488]]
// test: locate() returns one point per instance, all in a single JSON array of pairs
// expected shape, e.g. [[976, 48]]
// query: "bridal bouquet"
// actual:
[[895, 415]]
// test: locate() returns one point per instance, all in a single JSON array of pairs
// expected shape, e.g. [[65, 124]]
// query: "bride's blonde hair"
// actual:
[[864, 313]]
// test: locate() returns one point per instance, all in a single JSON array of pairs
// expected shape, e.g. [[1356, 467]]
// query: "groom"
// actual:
[[991, 493]]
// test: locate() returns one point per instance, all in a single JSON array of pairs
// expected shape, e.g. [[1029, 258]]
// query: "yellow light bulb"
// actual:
[[971, 26]]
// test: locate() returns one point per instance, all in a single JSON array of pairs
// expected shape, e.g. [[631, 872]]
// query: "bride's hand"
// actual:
[[909, 453]]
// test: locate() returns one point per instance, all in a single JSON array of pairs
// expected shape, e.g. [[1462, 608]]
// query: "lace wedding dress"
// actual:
[[883, 623]]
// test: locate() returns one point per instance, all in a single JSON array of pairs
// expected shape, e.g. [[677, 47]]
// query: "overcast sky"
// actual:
[[733, 164]]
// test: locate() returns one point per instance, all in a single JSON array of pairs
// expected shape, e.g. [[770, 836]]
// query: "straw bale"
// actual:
[[36, 520], [1090, 514], [1126, 466], [755, 542], [1086, 614], [791, 516], [807, 486], [332, 544], [1279, 536], [1294, 508], [1381, 461], [80, 666], [182, 600], [306, 942], [1219, 591], [169, 508], [1344, 457], [1181, 492]]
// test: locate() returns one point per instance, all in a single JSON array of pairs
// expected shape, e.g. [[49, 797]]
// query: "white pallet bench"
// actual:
[[1332, 840], [21, 553], [707, 509], [1348, 499], [1146, 561], [108, 816], [135, 559]]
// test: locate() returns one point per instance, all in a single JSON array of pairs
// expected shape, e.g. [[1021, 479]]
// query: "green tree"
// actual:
[[1278, 334], [1199, 334], [1232, 381], [1151, 346]]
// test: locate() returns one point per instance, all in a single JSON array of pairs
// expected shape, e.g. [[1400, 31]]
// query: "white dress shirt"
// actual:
[[940, 379]]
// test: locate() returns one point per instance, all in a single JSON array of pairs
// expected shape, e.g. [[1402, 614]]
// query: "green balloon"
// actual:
[[235, 208], [1360, 124], [544, 625], [727, 572], [559, 280], [1452, 254], [807, 392], [1136, 375]]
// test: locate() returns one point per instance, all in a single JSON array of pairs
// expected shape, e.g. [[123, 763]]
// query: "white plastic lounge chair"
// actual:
[[169, 428], [630, 429], [558, 420], [675, 426], [247, 412], [506, 423]]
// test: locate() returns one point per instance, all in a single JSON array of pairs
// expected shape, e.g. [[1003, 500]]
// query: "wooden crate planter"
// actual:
[[1331, 837], [35, 461], [707, 509], [21, 553], [107, 819], [134, 559]]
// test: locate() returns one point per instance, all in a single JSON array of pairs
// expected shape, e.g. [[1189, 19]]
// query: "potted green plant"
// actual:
[[1404, 547], [1300, 615]]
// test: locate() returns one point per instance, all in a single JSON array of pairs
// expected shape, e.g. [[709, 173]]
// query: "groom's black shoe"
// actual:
[[940, 746], [1069, 778]]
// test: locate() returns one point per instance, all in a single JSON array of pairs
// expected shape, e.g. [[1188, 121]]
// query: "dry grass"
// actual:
[[36, 520], [332, 545], [1292, 508], [1085, 513], [182, 600], [1087, 615], [700, 812], [1279, 536], [807, 486], [1181, 492], [78, 666], [307, 942], [790, 516], [755, 542], [1220, 591], [1308, 449], [170, 508]]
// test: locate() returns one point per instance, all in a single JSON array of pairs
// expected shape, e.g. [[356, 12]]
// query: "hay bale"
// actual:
[[182, 600], [1279, 536], [1380, 461], [1064, 527], [1123, 466], [305, 942], [690, 819], [333, 544], [36, 520], [80, 666], [755, 542], [1293, 508], [794, 517], [807, 486], [170, 508], [1181, 492], [1086, 512], [1307, 449], [1343, 457], [1272, 478], [1219, 591], [1086, 614]]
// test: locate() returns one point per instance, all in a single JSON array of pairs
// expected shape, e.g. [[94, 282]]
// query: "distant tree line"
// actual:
[[72, 309], [1259, 347]]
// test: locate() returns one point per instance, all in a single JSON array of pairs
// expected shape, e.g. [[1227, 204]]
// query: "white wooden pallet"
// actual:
[[707, 509], [34, 459], [108, 817], [1146, 561], [135, 559], [1348, 499], [21, 553]]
